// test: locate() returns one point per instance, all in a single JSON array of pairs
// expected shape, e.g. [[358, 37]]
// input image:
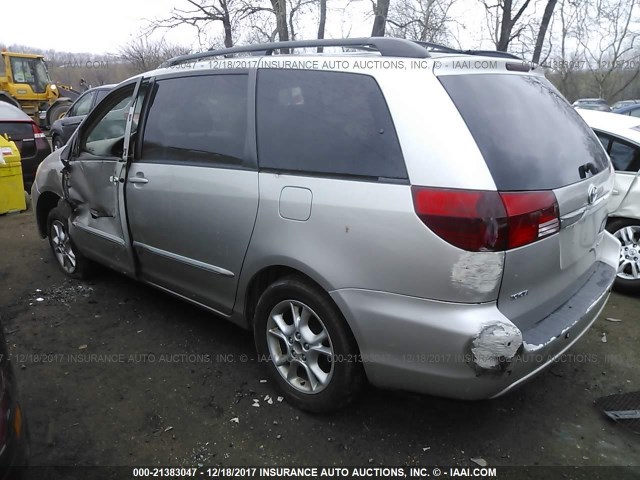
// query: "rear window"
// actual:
[[326, 123], [529, 136], [17, 130]]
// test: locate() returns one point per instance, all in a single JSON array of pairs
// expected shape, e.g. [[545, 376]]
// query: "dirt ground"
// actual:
[[113, 372]]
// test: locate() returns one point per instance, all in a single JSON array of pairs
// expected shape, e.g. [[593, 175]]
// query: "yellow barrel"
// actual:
[[11, 187]]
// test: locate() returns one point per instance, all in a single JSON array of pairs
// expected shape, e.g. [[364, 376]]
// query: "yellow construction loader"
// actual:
[[25, 83]]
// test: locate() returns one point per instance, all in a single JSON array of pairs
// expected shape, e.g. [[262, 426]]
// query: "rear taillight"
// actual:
[[483, 221], [532, 216], [37, 133]]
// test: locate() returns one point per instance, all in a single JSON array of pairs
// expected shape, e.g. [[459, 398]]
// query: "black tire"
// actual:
[[57, 142], [55, 113], [346, 377], [67, 256], [615, 227]]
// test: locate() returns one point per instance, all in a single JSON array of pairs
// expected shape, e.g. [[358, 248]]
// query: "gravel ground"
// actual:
[[113, 372]]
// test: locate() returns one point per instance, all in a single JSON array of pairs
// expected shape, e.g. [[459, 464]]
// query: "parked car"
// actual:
[[624, 103], [592, 104], [14, 434], [32, 143], [630, 110], [327, 210], [620, 136], [62, 129]]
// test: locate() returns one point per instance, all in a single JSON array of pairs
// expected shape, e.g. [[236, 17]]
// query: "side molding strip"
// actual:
[[186, 260]]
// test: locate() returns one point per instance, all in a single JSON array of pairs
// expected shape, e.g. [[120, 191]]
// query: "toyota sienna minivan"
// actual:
[[399, 213]]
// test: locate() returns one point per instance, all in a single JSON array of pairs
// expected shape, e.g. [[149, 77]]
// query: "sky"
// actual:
[[102, 27]]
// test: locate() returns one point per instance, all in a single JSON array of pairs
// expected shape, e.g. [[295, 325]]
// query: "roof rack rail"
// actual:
[[387, 46], [436, 47], [492, 53]]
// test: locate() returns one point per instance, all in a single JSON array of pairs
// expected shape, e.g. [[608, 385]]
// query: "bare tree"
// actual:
[[380, 12], [279, 9], [200, 14], [542, 30], [322, 21], [608, 37], [144, 54], [423, 20], [503, 18]]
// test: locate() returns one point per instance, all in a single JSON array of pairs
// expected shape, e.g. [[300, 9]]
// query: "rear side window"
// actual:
[[197, 120], [529, 136], [624, 156], [326, 122], [100, 95]]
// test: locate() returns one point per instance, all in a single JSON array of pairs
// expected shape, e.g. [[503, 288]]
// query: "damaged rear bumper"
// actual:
[[466, 351]]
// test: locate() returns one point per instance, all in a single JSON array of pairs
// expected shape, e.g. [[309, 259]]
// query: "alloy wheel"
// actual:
[[629, 264], [300, 346], [62, 247]]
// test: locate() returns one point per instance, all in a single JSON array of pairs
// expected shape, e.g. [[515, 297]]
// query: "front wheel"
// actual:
[[307, 346], [70, 260], [628, 232], [57, 143]]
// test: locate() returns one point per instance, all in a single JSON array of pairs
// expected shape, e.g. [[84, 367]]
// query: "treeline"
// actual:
[[591, 48]]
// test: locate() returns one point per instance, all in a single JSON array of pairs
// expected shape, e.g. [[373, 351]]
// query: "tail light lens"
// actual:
[[37, 133], [483, 221]]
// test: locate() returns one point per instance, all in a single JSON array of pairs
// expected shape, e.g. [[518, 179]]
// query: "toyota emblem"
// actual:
[[592, 194]]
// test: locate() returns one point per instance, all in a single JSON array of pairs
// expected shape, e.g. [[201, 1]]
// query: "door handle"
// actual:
[[138, 180]]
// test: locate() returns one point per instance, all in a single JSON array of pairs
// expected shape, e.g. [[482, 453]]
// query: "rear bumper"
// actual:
[[428, 346]]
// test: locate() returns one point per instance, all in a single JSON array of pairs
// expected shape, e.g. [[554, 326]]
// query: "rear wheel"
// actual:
[[57, 143], [628, 232], [307, 346], [70, 260]]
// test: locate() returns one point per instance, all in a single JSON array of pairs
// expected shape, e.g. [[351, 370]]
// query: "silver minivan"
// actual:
[[393, 212]]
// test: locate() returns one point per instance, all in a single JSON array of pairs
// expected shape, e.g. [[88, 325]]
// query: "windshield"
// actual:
[[31, 71]]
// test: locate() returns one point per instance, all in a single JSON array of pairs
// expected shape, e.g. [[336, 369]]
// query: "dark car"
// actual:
[[14, 434], [592, 104], [28, 137], [623, 103], [62, 129], [630, 110]]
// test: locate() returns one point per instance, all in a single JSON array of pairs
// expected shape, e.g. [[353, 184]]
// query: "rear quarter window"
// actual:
[[326, 123], [529, 135]]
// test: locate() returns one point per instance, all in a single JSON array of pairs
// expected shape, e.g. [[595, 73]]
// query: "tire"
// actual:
[[55, 113], [325, 372], [57, 142], [68, 258], [628, 232]]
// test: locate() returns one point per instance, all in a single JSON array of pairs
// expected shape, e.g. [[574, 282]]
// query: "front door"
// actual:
[[94, 179]]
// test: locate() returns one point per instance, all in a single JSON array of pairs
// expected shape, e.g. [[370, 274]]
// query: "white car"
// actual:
[[620, 136]]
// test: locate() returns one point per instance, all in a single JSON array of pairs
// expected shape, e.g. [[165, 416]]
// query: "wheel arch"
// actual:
[[613, 219], [47, 201], [268, 274]]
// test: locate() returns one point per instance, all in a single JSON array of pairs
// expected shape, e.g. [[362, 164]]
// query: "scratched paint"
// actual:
[[478, 272]]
